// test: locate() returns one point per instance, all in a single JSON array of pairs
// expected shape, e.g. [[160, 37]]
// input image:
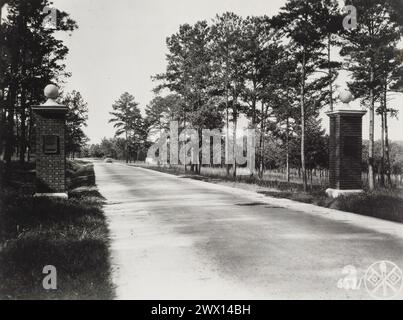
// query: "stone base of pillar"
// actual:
[[335, 193], [52, 195]]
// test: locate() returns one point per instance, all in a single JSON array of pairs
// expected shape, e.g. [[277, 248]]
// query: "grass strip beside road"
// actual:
[[69, 234], [386, 204]]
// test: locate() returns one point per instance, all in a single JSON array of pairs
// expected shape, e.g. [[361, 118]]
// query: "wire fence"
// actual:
[[316, 177], [321, 177]]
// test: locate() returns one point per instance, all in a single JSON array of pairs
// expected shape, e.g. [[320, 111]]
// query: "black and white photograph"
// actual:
[[208, 153]]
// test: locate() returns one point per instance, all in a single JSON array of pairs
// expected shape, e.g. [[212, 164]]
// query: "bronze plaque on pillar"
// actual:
[[51, 144]]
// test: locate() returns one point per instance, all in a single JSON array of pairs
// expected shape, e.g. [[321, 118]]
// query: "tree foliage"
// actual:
[[128, 121], [76, 120], [31, 57]]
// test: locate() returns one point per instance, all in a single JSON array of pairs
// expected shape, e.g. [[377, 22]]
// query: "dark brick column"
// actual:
[[49, 121], [345, 151]]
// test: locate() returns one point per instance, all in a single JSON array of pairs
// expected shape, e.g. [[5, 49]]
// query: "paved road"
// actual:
[[176, 238]]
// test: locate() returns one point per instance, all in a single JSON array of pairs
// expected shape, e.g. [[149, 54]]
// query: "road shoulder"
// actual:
[[378, 225]]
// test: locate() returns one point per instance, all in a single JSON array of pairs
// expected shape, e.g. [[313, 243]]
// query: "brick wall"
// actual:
[[345, 151], [50, 168]]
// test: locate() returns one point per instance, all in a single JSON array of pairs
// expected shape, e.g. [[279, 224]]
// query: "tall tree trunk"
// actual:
[[254, 125], [29, 139], [9, 146], [17, 131], [371, 175], [234, 134], [382, 166], [11, 104], [184, 143], [23, 133], [387, 147], [329, 44], [235, 149], [200, 151], [23, 101], [12, 95], [3, 119], [262, 135], [227, 144], [127, 148], [287, 142], [303, 165], [3, 124]]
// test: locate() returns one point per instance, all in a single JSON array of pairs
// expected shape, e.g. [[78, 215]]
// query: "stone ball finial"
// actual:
[[51, 91], [346, 96]]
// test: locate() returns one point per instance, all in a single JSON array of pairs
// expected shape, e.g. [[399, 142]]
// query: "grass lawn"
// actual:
[[71, 235], [383, 204]]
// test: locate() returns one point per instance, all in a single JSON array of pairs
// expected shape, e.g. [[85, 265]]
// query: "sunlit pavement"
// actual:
[[176, 238]]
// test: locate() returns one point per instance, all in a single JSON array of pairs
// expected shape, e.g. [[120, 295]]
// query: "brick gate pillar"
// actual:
[[345, 149], [50, 122]]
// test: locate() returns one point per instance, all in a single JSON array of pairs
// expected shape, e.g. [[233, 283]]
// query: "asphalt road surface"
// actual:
[[177, 238]]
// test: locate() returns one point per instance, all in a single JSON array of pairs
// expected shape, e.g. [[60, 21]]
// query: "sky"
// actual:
[[120, 45]]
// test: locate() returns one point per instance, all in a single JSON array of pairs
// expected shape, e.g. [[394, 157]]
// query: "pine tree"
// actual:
[[189, 75], [76, 120], [31, 58], [128, 121], [378, 28], [302, 22], [229, 74]]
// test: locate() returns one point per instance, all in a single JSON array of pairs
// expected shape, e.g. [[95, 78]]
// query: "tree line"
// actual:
[[30, 58], [278, 72]]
